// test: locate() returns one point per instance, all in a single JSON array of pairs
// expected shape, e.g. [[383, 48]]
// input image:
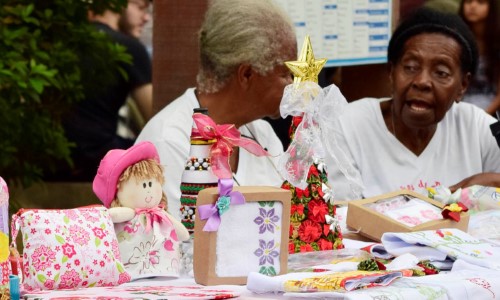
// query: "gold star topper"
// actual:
[[306, 68]]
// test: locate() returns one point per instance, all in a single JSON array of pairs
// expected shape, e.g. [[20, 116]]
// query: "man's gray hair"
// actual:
[[241, 31]]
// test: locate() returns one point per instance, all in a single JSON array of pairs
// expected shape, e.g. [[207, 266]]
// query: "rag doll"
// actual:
[[129, 182]]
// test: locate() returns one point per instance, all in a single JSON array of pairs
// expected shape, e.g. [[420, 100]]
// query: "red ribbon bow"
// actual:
[[154, 214], [226, 137], [297, 208], [453, 211]]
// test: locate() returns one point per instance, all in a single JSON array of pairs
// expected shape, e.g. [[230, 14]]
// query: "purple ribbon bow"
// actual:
[[212, 212]]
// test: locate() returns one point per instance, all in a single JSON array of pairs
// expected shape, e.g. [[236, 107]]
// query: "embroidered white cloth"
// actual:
[[315, 282], [375, 249], [466, 284], [437, 245], [258, 249]]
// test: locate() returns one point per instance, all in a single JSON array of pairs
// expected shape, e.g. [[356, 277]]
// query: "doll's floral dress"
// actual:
[[148, 244]]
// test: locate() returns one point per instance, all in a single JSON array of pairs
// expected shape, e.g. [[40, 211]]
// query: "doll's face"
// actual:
[[144, 193]]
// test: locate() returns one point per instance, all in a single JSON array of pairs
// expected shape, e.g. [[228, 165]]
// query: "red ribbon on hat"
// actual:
[[154, 214], [226, 137]]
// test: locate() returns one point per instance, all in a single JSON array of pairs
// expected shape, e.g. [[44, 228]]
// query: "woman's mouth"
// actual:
[[418, 105]]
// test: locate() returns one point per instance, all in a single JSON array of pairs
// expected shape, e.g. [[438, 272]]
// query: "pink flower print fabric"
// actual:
[[149, 247], [5, 269], [4, 207], [67, 249]]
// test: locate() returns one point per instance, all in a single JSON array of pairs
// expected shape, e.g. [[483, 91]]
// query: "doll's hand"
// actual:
[[121, 214], [180, 230]]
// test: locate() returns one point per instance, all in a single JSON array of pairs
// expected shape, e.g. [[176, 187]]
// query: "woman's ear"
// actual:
[[390, 72], [245, 74], [464, 85]]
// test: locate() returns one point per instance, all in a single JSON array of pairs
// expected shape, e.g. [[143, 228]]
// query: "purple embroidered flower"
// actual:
[[267, 220], [266, 252]]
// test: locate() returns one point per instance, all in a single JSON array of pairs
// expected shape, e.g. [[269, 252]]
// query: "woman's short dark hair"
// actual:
[[426, 20]]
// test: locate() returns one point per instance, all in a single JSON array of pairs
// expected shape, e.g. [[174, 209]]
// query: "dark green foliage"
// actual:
[[368, 265], [42, 46]]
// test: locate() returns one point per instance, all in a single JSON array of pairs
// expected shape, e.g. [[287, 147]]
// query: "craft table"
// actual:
[[466, 281], [469, 282]]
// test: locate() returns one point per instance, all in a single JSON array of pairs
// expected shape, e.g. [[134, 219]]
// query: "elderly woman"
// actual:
[[243, 47], [422, 136]]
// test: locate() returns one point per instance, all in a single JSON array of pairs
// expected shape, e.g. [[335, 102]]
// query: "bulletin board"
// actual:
[[346, 32]]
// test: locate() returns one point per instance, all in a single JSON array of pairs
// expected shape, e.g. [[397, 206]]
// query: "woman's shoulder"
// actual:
[[365, 107], [468, 119], [259, 129], [367, 102], [173, 120], [263, 133], [467, 112]]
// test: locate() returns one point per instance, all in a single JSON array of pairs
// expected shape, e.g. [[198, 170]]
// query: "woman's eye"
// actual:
[[443, 71], [442, 74], [410, 68]]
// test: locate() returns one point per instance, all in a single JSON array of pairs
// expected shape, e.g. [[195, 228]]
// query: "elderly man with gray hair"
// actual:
[[243, 47]]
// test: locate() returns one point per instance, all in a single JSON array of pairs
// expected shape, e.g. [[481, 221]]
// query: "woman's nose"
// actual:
[[422, 80]]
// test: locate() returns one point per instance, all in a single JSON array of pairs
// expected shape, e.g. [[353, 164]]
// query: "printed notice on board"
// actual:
[[346, 32]]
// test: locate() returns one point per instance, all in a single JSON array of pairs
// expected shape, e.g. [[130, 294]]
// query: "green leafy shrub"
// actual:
[[45, 47]]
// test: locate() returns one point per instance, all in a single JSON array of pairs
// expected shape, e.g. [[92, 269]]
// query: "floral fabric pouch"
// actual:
[[5, 269], [70, 248]]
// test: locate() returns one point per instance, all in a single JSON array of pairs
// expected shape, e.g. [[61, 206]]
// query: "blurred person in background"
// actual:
[[135, 17], [92, 123], [135, 21], [482, 17]]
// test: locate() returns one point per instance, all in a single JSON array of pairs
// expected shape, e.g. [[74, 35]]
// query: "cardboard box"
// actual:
[[372, 224], [347, 233], [252, 237]]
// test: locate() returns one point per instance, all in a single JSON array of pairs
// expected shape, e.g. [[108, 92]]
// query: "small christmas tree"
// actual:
[[313, 225]]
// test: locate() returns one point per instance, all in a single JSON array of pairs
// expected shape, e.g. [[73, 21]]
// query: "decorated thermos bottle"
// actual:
[[197, 174]]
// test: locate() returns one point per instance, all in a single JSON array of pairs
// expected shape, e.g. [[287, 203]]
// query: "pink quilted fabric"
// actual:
[[66, 249]]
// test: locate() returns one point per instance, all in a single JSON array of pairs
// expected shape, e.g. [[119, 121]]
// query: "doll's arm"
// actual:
[[180, 230], [121, 214]]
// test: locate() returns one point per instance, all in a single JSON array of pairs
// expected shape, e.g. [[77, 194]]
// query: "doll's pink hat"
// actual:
[[114, 163]]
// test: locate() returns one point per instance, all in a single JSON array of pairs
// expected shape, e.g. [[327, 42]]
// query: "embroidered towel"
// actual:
[[375, 249], [320, 282], [442, 243]]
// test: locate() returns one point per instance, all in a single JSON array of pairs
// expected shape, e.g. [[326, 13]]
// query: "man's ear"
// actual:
[[245, 75], [464, 85]]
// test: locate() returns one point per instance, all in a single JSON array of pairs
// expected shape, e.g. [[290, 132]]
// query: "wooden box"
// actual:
[[371, 223], [252, 237]]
